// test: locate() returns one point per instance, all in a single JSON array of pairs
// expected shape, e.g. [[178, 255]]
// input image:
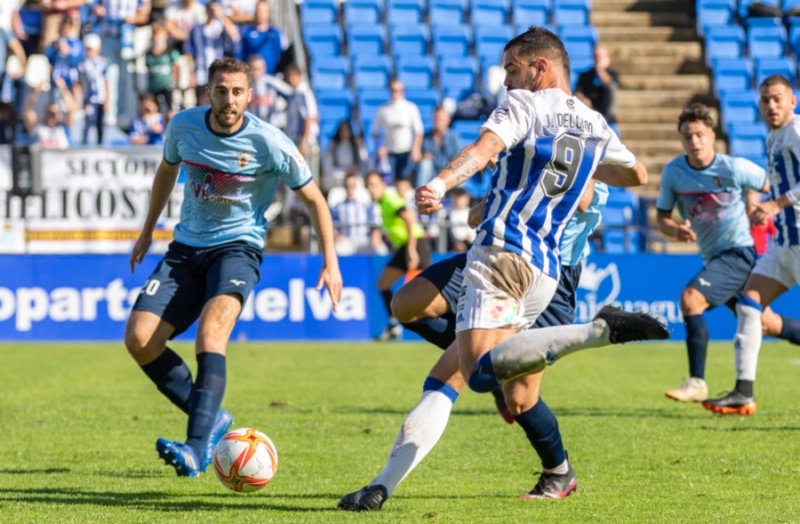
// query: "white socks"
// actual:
[[748, 339], [421, 430]]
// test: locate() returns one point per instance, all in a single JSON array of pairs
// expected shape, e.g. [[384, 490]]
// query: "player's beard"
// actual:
[[226, 119]]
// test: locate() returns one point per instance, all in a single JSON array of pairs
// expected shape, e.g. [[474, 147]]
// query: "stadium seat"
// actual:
[[369, 101], [490, 12], [766, 42], [521, 28], [366, 40], [451, 41], [723, 42], [490, 41], [467, 130], [447, 12], [361, 12], [794, 38], [732, 74], [788, 5], [318, 12], [620, 241], [416, 72], [748, 141], [335, 104], [531, 12], [579, 40], [745, 4], [571, 12], [426, 100], [410, 40], [713, 13], [330, 72], [578, 65], [403, 12], [322, 40], [786, 67], [457, 76], [739, 107], [371, 72]]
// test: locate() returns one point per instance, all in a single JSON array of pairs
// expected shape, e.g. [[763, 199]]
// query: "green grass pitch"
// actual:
[[79, 424]]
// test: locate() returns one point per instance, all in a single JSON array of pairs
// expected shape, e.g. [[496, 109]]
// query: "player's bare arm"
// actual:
[[586, 198], [476, 213], [670, 228], [329, 275], [411, 221], [620, 176], [163, 184], [771, 208]]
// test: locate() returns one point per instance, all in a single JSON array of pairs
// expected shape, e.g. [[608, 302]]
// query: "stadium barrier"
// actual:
[[88, 297]]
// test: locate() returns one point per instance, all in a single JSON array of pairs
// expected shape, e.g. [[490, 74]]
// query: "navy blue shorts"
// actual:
[[724, 275], [188, 277], [399, 259], [447, 276]]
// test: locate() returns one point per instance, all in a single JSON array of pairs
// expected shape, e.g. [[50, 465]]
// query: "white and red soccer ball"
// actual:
[[245, 460]]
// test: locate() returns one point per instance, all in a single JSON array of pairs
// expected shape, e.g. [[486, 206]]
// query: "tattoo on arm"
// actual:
[[463, 165]]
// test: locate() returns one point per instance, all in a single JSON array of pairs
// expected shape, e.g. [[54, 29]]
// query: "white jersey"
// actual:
[[783, 170], [553, 145]]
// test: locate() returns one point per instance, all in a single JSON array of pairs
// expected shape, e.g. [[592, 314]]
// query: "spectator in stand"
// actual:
[[53, 13], [597, 87], [346, 153], [214, 39], [181, 18], [240, 11], [400, 124], [269, 94], [302, 118], [9, 16], [461, 234], [54, 132], [158, 11], [94, 76], [355, 221], [65, 56], [148, 128], [162, 69], [8, 81], [439, 145], [263, 39]]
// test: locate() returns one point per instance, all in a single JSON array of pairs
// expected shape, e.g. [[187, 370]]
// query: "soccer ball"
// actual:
[[245, 460]]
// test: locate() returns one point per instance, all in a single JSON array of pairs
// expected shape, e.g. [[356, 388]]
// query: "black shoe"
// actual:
[[734, 403], [368, 498], [500, 404], [553, 487], [627, 327]]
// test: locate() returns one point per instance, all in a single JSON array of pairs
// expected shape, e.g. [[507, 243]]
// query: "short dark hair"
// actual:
[[538, 41], [772, 80], [229, 65], [696, 113]]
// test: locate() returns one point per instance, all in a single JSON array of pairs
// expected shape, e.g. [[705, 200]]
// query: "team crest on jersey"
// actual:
[[243, 158], [571, 104], [300, 159], [500, 114]]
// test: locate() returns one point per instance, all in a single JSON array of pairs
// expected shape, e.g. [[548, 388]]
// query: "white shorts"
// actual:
[[501, 290], [781, 263]]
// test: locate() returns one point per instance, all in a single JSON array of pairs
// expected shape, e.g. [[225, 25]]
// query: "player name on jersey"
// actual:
[[568, 120]]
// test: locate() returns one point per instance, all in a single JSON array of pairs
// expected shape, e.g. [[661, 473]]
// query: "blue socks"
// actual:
[[172, 377], [439, 331], [696, 344], [434, 384], [207, 394], [790, 330], [541, 428]]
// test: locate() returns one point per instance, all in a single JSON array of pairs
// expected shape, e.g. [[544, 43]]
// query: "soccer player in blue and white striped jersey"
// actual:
[[779, 269]]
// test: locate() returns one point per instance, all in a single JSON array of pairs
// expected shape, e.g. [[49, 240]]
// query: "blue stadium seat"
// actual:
[[426, 100], [371, 71], [318, 12], [369, 101], [362, 12], [447, 12], [745, 4], [739, 107], [451, 40], [416, 72], [578, 65], [490, 41], [335, 104], [723, 42], [579, 40], [794, 38], [759, 129], [490, 12], [732, 74], [531, 12], [330, 72], [619, 241], [521, 28], [366, 40], [467, 130], [766, 42], [788, 5], [457, 76], [619, 220], [399, 12], [786, 67], [571, 12], [713, 12], [322, 40], [748, 141], [410, 39]]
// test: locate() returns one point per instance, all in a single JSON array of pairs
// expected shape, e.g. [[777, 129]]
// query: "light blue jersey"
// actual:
[[575, 240], [712, 200], [553, 145], [230, 180], [783, 166]]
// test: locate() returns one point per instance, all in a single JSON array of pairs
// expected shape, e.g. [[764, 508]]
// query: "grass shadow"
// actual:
[[751, 428], [43, 471]]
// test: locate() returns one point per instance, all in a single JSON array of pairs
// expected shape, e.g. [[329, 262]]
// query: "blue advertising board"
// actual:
[[88, 297]]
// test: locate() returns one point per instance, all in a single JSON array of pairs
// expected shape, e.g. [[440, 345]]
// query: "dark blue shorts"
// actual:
[[724, 275], [187, 277], [447, 276], [398, 260]]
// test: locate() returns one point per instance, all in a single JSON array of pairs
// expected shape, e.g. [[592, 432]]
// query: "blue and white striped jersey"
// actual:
[[353, 218], [553, 145], [783, 170]]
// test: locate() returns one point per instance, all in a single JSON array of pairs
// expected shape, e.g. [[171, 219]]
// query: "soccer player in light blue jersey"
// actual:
[[233, 163], [779, 269], [427, 305], [711, 191]]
